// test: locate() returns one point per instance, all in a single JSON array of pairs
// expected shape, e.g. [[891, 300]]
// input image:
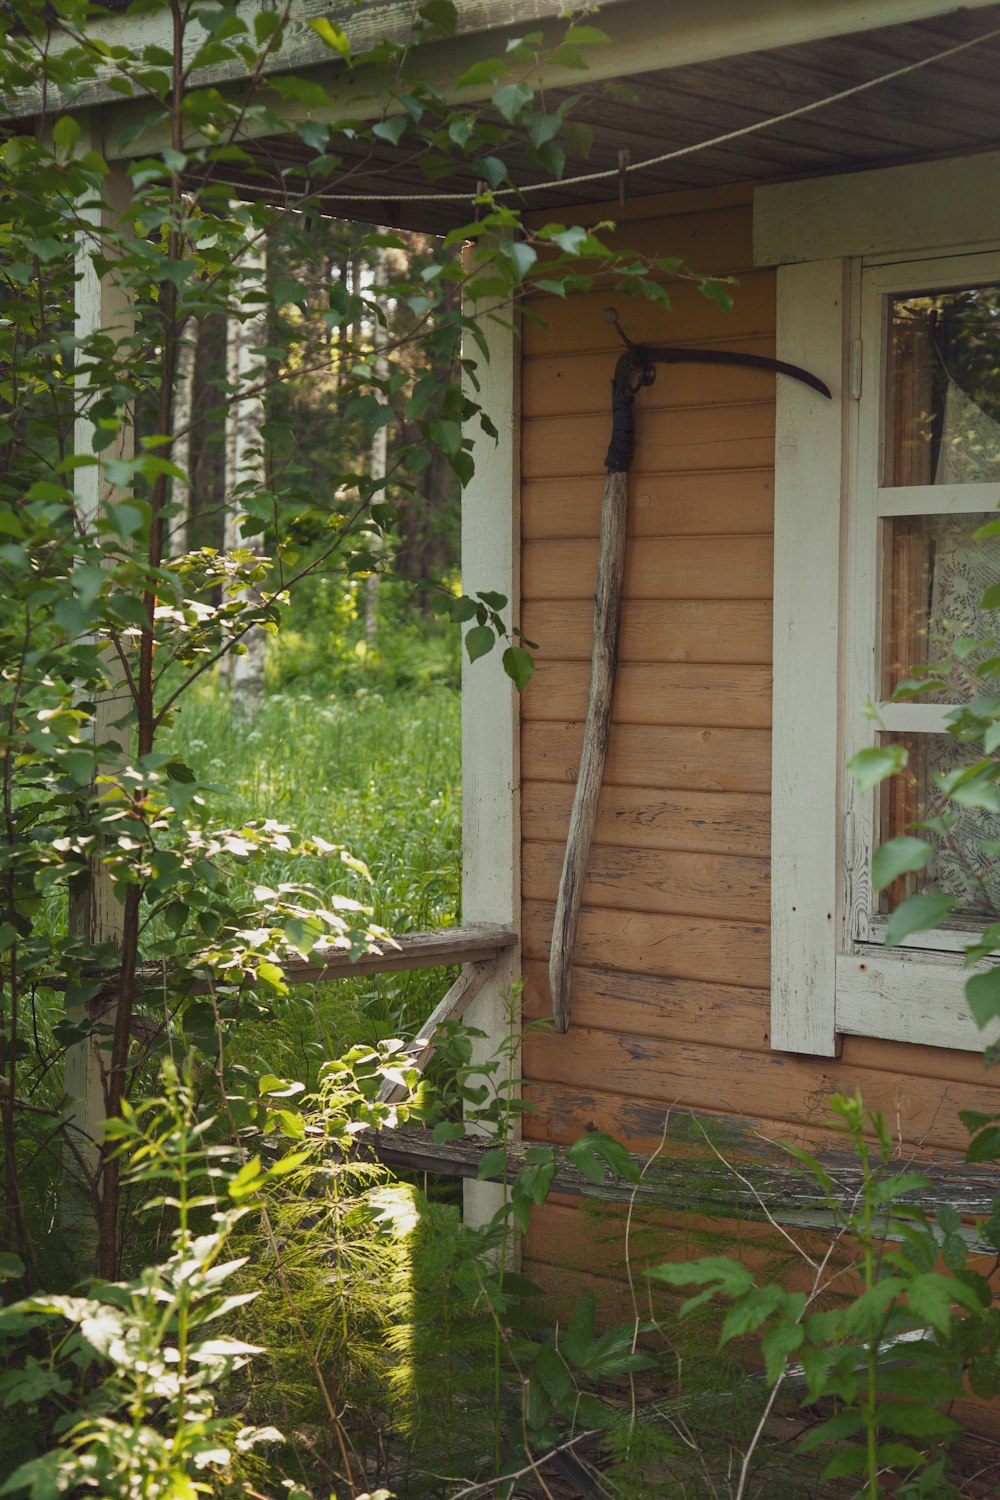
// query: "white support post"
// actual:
[[96, 914], [491, 885], [806, 757]]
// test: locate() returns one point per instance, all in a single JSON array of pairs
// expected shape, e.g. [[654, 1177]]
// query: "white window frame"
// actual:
[[825, 982]]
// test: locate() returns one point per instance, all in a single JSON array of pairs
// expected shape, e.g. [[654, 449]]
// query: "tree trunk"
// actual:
[[245, 466], [429, 523], [178, 538], [379, 447]]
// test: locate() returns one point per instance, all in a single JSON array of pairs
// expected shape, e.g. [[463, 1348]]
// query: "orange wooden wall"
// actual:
[[670, 996]]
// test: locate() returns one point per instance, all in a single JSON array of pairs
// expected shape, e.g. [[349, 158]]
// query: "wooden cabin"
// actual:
[[788, 556]]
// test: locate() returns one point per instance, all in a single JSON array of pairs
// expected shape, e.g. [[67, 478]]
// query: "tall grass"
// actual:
[[377, 772]]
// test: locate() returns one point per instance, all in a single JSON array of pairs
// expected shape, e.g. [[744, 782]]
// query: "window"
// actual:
[[878, 581], [927, 478], [924, 475]]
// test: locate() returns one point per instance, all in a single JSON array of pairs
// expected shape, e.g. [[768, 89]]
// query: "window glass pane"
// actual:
[[960, 866], [943, 388], [935, 577]]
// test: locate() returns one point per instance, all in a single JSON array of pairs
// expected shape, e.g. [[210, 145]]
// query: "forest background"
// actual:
[[226, 411]]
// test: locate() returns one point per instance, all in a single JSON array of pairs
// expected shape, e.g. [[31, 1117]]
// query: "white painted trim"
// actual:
[[915, 718], [930, 206], [910, 273], [940, 940], [806, 758], [827, 974], [908, 997], [491, 823], [938, 499]]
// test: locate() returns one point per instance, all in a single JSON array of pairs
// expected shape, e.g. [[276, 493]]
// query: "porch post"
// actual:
[[491, 874], [96, 914]]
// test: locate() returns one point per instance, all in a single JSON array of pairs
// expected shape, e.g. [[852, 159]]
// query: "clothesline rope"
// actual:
[[655, 161]]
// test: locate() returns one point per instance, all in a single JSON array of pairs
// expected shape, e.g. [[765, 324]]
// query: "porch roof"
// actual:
[[673, 82], [946, 107]]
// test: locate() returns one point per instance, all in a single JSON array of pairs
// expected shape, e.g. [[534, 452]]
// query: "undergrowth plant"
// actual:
[[896, 1322], [127, 893], [119, 1392]]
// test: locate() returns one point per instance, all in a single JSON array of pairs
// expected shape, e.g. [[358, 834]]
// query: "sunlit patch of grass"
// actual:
[[375, 772]]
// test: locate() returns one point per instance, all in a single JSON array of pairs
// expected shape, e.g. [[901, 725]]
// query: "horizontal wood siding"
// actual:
[[671, 1005], [655, 756], [663, 505]]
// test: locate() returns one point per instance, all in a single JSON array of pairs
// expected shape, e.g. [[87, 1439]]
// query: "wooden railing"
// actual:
[[476, 948], [412, 950], [755, 1181], [767, 1186]]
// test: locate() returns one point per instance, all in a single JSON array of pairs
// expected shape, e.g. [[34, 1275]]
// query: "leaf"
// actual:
[[568, 56], [479, 641], [917, 914], [867, 1313], [11, 1266], [869, 767], [978, 791], [491, 168], [486, 71], [440, 14], [595, 1147], [224, 1348], [730, 1277], [916, 1421], [291, 1125], [985, 1145], [588, 36], [811, 1164], [522, 255], [843, 1424], [719, 292], [579, 1332], [247, 1179], [390, 130], [511, 99], [492, 1163], [519, 666], [50, 1477], [332, 35], [851, 1460], [777, 1344], [750, 1310], [983, 994], [898, 857], [579, 137], [126, 519], [66, 132], [591, 1412], [551, 1372], [305, 90], [898, 1185]]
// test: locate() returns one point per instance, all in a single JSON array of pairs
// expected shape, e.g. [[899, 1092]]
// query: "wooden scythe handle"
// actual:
[[607, 612], [635, 368]]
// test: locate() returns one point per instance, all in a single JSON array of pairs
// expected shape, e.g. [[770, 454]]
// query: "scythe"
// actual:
[[636, 368]]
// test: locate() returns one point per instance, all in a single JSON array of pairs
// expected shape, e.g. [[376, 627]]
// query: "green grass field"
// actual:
[[377, 772]]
